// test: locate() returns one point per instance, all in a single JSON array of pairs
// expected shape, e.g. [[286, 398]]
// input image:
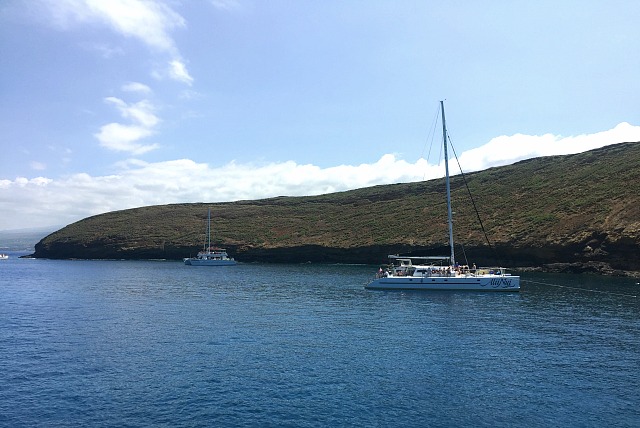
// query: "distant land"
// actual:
[[573, 213], [23, 239]]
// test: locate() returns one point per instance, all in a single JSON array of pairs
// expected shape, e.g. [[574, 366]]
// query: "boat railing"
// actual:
[[493, 271], [439, 271]]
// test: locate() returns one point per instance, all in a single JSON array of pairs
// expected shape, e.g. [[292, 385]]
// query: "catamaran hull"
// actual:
[[209, 262], [495, 283]]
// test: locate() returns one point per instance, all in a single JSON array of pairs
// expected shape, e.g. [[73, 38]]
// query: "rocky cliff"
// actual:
[[576, 212]]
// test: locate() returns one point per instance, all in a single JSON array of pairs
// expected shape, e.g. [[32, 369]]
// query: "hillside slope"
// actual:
[[577, 212]]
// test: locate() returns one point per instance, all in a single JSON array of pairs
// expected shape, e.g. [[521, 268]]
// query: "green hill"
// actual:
[[576, 212]]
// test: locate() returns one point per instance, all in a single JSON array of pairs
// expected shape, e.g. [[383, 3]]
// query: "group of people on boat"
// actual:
[[456, 270]]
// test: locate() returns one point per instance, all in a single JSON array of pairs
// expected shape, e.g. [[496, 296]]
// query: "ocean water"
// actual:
[[155, 343]]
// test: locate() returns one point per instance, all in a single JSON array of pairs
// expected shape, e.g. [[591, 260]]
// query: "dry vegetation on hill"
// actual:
[[578, 212]]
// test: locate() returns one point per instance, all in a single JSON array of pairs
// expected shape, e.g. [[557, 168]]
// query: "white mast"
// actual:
[[446, 168], [209, 230]]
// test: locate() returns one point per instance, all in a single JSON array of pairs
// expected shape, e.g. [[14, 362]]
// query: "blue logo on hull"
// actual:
[[501, 283]]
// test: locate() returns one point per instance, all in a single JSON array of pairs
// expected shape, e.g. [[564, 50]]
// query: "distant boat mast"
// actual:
[[209, 231], [446, 168]]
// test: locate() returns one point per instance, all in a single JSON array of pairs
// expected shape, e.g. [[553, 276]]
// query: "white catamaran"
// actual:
[[210, 256], [442, 273]]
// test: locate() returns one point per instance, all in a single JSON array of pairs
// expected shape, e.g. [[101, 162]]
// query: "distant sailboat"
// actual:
[[210, 256], [442, 273]]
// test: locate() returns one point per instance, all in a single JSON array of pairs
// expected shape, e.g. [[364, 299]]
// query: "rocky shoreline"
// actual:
[[597, 268], [371, 255]]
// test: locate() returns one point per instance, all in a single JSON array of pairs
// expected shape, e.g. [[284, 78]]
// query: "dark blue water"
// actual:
[[116, 343]]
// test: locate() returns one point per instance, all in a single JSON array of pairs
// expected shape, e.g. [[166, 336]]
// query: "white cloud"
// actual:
[[140, 112], [138, 87], [178, 71], [150, 22], [106, 51], [226, 4], [124, 138], [509, 149], [189, 94], [138, 183], [38, 166]]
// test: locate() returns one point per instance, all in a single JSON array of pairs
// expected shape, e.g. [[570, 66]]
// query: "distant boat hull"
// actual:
[[194, 261], [464, 283]]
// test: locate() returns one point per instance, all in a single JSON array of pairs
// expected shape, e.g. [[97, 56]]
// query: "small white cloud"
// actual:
[[137, 87], [140, 112], [148, 21], [226, 4], [104, 50], [38, 166], [178, 71], [125, 138], [189, 94]]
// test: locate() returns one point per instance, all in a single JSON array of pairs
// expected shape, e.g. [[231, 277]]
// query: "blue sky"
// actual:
[[116, 104]]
